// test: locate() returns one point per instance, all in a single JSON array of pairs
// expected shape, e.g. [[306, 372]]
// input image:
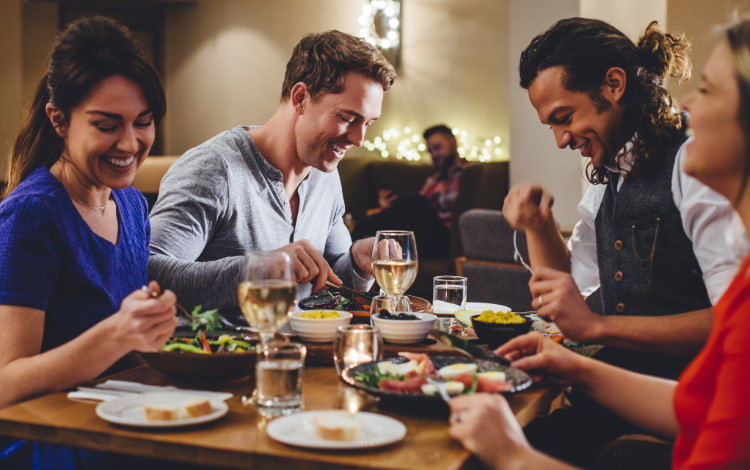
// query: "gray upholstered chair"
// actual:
[[488, 260]]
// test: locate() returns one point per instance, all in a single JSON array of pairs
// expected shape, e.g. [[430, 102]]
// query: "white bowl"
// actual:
[[405, 331], [318, 330]]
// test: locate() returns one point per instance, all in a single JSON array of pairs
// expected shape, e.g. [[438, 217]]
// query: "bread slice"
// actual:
[[188, 407], [337, 425]]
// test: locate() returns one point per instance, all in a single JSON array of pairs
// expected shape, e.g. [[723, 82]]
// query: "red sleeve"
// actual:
[[723, 440]]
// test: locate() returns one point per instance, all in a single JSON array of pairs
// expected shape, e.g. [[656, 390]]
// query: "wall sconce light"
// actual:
[[380, 24]]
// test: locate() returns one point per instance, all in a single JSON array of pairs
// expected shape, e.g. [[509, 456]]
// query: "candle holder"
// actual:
[[356, 344]]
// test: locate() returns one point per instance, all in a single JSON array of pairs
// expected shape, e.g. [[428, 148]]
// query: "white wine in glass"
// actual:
[[395, 277], [266, 292], [395, 261]]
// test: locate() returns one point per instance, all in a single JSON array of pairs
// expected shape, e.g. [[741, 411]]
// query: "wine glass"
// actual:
[[266, 292], [394, 262]]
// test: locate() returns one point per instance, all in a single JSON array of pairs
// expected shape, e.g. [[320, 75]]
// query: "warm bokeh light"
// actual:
[[407, 145]]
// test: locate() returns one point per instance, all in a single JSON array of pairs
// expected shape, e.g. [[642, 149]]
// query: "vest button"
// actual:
[[618, 245], [619, 275], [620, 307]]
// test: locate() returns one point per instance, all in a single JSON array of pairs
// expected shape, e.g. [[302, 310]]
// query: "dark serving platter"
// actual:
[[195, 367], [519, 379]]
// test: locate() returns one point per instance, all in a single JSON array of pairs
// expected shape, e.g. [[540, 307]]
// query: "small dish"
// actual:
[[318, 330], [128, 411], [495, 334], [405, 331], [299, 430]]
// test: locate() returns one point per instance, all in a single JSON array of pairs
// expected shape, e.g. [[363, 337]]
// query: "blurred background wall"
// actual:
[[223, 62]]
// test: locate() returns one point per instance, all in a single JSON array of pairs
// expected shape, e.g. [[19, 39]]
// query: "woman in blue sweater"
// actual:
[[73, 233]]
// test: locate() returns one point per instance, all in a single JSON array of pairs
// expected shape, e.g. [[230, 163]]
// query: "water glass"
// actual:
[[356, 344], [278, 376], [448, 294]]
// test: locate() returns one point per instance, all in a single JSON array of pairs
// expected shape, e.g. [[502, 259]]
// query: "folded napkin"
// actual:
[[118, 388]]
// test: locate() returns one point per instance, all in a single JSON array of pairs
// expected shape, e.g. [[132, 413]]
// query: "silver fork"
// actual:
[[517, 253], [440, 385]]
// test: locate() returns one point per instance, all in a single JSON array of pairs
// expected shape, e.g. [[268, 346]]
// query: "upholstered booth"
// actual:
[[488, 260], [149, 175], [483, 185]]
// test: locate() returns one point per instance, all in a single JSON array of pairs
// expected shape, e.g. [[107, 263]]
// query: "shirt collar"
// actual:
[[624, 158]]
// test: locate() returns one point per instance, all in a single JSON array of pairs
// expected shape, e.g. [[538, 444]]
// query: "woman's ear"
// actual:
[[57, 118], [615, 82]]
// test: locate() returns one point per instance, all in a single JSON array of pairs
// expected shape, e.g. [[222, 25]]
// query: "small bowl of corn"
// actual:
[[495, 328], [318, 326]]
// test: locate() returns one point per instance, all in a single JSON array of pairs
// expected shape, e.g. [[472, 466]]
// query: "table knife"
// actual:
[[475, 350], [362, 298]]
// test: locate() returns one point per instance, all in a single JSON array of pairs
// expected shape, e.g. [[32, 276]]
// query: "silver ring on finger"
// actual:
[[541, 300]]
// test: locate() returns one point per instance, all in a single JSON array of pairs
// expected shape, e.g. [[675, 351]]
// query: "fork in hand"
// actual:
[[440, 386]]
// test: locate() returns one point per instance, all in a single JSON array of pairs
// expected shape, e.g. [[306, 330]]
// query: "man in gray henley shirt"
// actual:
[[276, 186]]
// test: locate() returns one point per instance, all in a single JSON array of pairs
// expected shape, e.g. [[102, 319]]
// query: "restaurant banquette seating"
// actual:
[[484, 185], [488, 260], [149, 175]]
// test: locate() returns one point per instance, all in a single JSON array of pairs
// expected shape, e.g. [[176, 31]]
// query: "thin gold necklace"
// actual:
[[97, 208]]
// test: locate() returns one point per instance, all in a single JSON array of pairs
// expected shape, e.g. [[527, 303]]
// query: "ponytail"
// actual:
[[37, 143]]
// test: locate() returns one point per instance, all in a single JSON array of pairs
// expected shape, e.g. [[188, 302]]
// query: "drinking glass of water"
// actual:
[[448, 294], [278, 379]]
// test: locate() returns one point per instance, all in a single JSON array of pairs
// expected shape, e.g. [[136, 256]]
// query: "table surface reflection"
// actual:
[[239, 440]]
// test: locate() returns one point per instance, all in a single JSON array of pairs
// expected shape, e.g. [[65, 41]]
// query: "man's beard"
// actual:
[[447, 164]]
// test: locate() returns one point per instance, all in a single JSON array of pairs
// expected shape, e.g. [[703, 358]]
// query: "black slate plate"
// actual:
[[519, 379]]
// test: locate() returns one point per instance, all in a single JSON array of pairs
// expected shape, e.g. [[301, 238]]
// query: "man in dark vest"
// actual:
[[651, 239]]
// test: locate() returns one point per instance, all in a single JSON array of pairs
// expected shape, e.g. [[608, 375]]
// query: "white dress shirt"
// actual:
[[707, 218]]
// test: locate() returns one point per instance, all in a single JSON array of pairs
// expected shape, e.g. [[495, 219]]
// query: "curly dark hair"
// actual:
[[322, 61], [587, 48]]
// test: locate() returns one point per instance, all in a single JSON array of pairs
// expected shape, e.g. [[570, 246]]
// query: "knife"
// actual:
[[475, 350], [362, 298]]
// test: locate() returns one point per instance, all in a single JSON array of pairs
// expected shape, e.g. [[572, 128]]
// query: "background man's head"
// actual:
[[441, 143], [586, 51]]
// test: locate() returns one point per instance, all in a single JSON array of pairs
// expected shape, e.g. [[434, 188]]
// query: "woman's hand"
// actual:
[[146, 319], [536, 354], [486, 426]]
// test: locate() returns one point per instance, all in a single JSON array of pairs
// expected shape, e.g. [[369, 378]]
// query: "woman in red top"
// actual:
[[708, 411]]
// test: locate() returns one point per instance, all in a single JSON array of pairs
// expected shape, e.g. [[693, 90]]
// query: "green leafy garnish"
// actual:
[[209, 320], [372, 378]]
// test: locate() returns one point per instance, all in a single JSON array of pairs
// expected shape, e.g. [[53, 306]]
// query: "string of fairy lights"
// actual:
[[406, 145]]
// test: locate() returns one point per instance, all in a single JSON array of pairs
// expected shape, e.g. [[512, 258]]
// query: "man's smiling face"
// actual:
[[593, 127]]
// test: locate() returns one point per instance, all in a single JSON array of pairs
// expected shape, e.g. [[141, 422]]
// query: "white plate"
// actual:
[[448, 310], [482, 306], [128, 410], [299, 430]]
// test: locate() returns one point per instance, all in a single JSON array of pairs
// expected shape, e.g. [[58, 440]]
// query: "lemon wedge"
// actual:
[[464, 316]]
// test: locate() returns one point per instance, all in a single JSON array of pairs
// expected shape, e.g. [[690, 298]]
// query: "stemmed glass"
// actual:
[[267, 292], [395, 262]]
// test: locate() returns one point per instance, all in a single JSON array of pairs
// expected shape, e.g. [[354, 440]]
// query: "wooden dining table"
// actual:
[[239, 439]]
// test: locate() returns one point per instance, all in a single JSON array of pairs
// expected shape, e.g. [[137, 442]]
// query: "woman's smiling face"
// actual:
[[109, 133], [716, 156]]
